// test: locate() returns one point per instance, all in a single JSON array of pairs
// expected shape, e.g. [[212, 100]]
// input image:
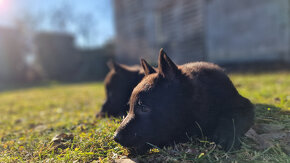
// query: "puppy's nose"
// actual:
[[117, 137]]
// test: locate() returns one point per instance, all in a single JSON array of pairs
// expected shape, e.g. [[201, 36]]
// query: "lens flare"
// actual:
[[3, 6], [2, 3]]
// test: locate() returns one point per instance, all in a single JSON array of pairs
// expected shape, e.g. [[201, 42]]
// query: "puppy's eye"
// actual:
[[143, 108], [139, 103]]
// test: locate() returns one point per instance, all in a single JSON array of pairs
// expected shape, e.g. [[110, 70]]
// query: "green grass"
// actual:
[[30, 118]]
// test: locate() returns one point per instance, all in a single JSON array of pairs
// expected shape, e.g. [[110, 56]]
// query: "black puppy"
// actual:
[[194, 99], [119, 84]]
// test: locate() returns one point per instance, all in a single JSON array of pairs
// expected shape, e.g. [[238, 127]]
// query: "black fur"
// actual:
[[119, 84], [195, 99]]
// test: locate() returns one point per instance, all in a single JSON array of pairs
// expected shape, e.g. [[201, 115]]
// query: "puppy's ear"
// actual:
[[116, 66], [112, 64], [166, 66], [146, 67]]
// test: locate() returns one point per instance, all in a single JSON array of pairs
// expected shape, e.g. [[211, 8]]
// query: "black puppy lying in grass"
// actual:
[[119, 84], [192, 100]]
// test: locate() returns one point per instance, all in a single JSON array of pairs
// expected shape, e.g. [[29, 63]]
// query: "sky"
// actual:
[[102, 10]]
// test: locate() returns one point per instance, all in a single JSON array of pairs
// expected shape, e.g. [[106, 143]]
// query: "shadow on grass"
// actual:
[[7, 87], [267, 112]]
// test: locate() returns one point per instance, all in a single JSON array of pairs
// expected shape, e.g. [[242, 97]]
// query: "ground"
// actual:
[[56, 122]]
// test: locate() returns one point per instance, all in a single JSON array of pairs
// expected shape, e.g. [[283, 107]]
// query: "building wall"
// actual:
[[220, 31], [181, 29], [130, 19], [248, 30], [145, 26]]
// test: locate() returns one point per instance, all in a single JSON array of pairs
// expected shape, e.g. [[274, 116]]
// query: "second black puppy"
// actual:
[[119, 84]]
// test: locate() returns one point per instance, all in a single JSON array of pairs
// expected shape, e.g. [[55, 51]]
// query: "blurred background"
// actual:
[[70, 40]]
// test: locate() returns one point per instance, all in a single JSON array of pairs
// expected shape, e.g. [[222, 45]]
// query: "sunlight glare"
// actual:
[[1, 3], [3, 6]]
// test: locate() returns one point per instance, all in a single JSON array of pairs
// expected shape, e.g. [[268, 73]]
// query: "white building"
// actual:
[[221, 31]]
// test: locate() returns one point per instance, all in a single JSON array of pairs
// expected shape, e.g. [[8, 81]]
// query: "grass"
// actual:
[[30, 119]]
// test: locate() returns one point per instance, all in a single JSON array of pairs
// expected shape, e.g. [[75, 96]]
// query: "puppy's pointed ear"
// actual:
[[146, 67], [166, 67], [116, 66], [112, 64]]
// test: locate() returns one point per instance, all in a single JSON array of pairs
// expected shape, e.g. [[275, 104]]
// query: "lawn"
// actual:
[[56, 123]]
